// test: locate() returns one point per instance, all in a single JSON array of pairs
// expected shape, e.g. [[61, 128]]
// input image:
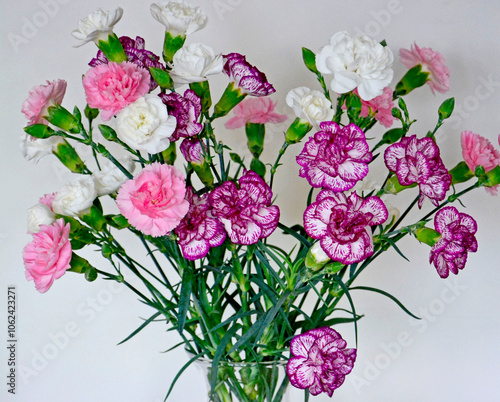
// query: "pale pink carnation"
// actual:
[[47, 199], [254, 110], [431, 61], [110, 87], [41, 98], [479, 151], [48, 255], [153, 202], [380, 106]]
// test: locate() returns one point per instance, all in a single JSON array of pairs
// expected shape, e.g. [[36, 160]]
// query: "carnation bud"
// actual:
[[69, 157], [491, 178], [255, 137], [413, 79], [62, 118], [297, 130], [316, 258]]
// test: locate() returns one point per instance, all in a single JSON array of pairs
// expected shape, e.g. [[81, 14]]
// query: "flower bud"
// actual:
[[427, 235], [297, 130], [316, 258], [229, 99], [62, 118]]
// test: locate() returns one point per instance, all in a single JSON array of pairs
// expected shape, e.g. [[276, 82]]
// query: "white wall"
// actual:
[[451, 355]]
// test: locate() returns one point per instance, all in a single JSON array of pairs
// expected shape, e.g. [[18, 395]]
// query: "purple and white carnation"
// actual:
[[335, 158], [246, 210], [199, 230], [418, 161], [320, 361], [186, 109], [246, 77], [342, 224], [449, 253], [136, 53], [192, 150]]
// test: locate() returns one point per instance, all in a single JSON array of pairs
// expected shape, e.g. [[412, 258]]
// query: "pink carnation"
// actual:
[[47, 199], [111, 87], [254, 110], [154, 201], [41, 98], [48, 255], [431, 61], [381, 106]]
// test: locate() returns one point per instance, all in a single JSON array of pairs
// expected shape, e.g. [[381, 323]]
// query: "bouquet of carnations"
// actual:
[[210, 270]]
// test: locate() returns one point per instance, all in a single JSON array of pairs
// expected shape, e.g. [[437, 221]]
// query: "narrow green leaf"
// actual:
[[185, 297], [179, 373], [139, 329]]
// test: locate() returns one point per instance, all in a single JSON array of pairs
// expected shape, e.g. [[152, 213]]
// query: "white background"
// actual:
[[67, 337]]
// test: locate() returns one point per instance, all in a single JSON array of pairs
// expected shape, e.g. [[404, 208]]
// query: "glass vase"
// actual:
[[247, 381]]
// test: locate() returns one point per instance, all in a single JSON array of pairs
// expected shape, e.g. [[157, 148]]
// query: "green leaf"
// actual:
[[179, 373], [236, 158], [258, 167], [118, 221], [309, 60], [94, 218], [446, 109], [143, 325], [393, 135], [185, 297], [162, 77]]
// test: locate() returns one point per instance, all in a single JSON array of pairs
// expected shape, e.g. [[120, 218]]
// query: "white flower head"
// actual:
[[97, 26], [75, 198], [193, 63], [34, 149], [146, 125], [356, 62], [179, 18], [39, 214], [310, 105], [319, 254], [110, 178]]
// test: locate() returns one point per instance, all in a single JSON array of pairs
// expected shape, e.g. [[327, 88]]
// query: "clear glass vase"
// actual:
[[247, 381]]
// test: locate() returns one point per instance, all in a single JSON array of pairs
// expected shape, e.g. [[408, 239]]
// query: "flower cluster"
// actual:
[[211, 211]]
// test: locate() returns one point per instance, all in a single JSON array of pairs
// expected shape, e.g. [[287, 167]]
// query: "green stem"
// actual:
[[276, 163]]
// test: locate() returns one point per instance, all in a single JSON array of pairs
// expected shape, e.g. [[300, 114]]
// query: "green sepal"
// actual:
[[236, 158], [162, 78], [256, 133], [446, 109], [491, 178], [414, 78], [204, 174], [69, 157], [117, 221], [309, 60], [41, 131], [78, 264], [202, 90], [427, 235], [170, 154], [91, 113], [230, 98], [312, 263], [62, 118], [112, 48], [393, 186], [461, 173], [353, 105], [94, 218], [258, 167], [107, 132], [171, 45], [297, 130], [333, 267]]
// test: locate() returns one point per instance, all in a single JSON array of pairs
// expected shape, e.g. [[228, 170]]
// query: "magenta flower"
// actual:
[[380, 106], [320, 361], [457, 231], [335, 158], [199, 229], [186, 109], [342, 224], [48, 255], [110, 87], [254, 110], [154, 201], [40, 98], [245, 211], [418, 161], [192, 150], [432, 62], [136, 53], [246, 77]]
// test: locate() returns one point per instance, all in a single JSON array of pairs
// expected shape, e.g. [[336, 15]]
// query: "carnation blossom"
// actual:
[[145, 125], [186, 109], [310, 105], [136, 53], [34, 149], [356, 62], [478, 151], [192, 150], [320, 361], [75, 198], [199, 230], [342, 224], [40, 98], [246, 210], [432, 62], [110, 87], [246, 77], [254, 110], [38, 215], [109, 178], [97, 26], [449, 253], [380, 107], [335, 158], [47, 257], [418, 161], [153, 202], [178, 17], [194, 63]]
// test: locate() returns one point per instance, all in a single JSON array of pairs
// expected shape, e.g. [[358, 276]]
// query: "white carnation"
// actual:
[[178, 17], [310, 105], [75, 198], [39, 214], [358, 62], [319, 254], [146, 125], [193, 63], [110, 178], [97, 26], [34, 149]]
